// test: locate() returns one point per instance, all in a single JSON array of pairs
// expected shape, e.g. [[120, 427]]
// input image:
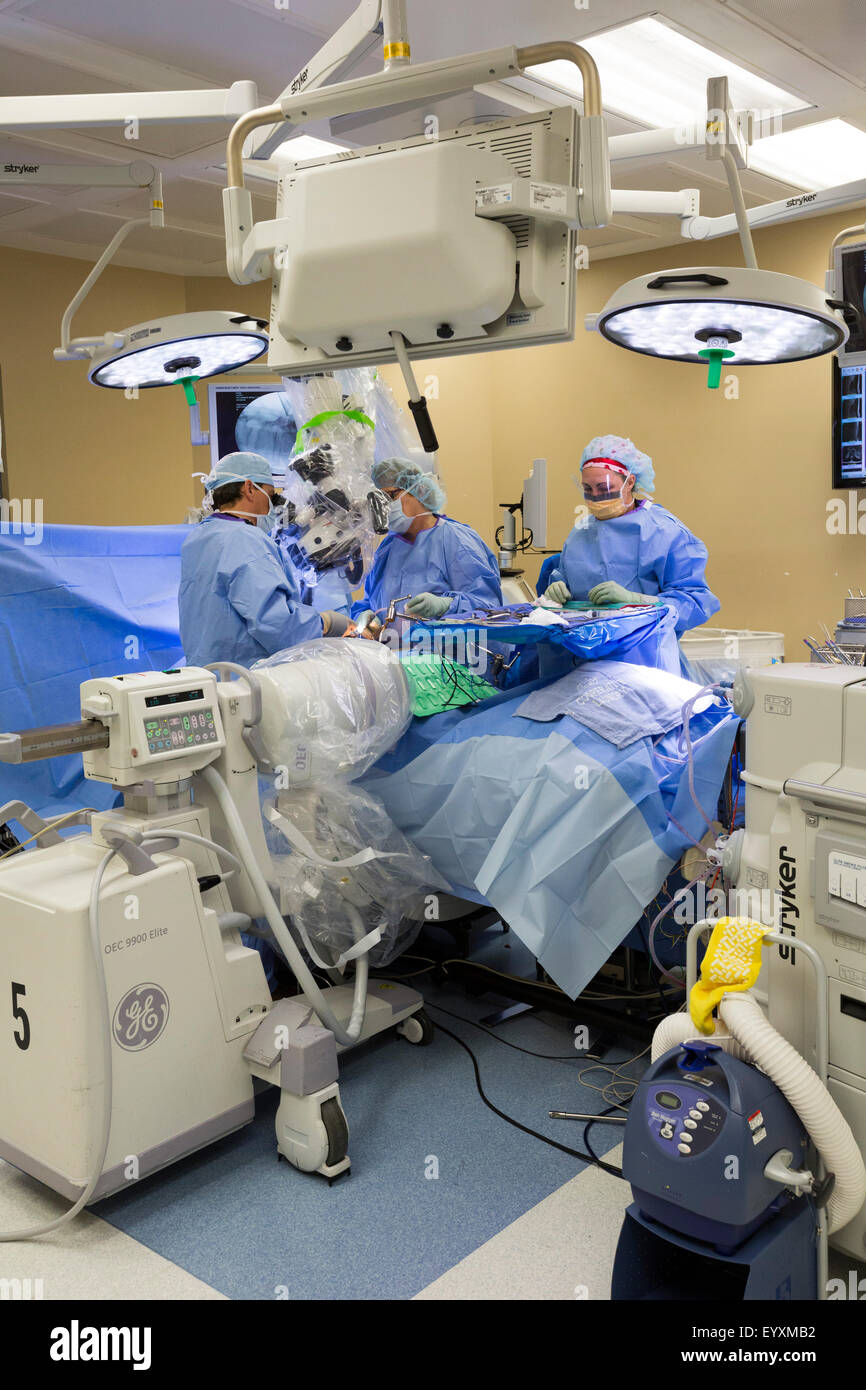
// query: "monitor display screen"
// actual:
[[849, 417], [253, 419], [851, 286]]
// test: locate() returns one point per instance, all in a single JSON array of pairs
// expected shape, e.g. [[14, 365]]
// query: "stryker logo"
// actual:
[[798, 202], [77, 1343], [789, 912], [299, 81], [20, 168]]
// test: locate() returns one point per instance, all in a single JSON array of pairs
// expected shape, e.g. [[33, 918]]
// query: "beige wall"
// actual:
[[91, 455], [751, 475]]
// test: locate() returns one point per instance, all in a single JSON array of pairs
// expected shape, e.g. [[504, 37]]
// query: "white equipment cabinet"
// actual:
[[800, 865]]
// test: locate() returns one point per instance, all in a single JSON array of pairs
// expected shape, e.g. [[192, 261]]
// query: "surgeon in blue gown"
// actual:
[[628, 549], [238, 600], [440, 566]]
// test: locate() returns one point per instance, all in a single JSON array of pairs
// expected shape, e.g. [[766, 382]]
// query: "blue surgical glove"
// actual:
[[428, 605], [364, 618], [558, 592], [611, 592]]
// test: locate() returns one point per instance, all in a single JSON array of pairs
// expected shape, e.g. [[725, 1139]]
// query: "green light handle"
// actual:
[[715, 358], [188, 384]]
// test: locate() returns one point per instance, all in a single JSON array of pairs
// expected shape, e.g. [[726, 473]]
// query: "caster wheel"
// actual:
[[417, 1030]]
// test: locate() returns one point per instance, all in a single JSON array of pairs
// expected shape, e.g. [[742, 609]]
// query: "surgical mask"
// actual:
[[265, 523], [603, 503], [397, 519], [610, 507]]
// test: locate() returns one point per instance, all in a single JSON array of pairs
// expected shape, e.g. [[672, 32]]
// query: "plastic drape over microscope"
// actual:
[[330, 710], [335, 514]]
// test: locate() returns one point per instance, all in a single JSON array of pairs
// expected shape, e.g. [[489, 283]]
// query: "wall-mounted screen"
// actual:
[[849, 416], [251, 418]]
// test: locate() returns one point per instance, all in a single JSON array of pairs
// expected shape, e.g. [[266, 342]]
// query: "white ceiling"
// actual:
[[815, 49]]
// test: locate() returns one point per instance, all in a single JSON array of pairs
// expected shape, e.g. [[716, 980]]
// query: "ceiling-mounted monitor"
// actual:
[[416, 236]]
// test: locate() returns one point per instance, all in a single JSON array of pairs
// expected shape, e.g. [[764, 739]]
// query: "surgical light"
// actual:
[[180, 348], [707, 314]]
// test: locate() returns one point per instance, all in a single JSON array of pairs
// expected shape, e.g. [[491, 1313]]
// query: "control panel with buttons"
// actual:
[[683, 1120], [173, 731], [163, 725], [846, 877]]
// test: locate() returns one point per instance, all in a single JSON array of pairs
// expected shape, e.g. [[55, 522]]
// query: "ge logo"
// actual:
[[140, 1017]]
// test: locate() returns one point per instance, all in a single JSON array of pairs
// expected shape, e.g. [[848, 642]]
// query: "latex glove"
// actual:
[[428, 605], [337, 624], [611, 592], [364, 619], [558, 591]]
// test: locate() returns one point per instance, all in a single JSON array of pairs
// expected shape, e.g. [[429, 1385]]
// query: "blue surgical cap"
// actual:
[[613, 446], [240, 468], [408, 477]]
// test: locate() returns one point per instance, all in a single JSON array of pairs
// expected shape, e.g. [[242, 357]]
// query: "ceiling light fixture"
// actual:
[[653, 74], [815, 156]]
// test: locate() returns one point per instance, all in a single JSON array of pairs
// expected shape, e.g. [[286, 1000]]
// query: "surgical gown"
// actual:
[[449, 559], [649, 551], [237, 600]]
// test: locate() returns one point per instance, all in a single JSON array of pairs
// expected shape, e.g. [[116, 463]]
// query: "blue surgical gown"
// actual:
[[333, 592], [237, 600], [449, 559], [649, 551]]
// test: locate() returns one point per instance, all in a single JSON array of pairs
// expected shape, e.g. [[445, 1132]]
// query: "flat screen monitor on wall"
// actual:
[[849, 424], [251, 418]]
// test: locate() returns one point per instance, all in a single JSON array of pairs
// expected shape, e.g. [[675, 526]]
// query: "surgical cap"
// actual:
[[408, 477], [240, 468], [613, 446]]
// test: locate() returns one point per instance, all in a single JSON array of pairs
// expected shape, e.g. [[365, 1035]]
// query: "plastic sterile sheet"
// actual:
[[331, 708], [333, 845], [619, 701], [644, 636], [563, 834], [85, 601]]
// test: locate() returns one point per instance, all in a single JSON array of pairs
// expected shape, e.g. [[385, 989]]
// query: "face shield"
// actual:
[[604, 484]]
